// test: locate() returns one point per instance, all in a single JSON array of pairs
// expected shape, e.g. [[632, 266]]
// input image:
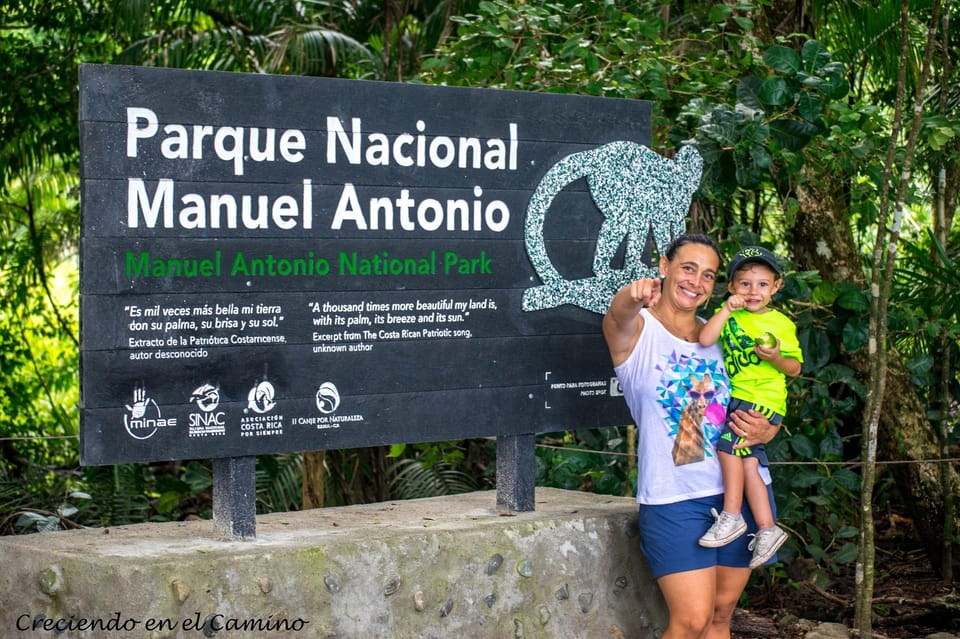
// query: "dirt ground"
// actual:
[[909, 599]]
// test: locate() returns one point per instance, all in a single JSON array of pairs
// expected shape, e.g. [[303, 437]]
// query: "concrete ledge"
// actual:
[[429, 568]]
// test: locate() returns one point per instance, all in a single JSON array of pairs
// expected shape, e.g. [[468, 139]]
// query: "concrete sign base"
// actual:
[[439, 567]]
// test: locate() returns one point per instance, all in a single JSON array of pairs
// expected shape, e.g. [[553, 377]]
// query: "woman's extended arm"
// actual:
[[622, 323]]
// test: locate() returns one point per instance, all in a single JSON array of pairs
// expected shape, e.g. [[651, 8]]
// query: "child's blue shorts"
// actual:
[[728, 438], [669, 534]]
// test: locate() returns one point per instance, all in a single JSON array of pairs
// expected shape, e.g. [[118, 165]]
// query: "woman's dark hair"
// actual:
[[691, 238]]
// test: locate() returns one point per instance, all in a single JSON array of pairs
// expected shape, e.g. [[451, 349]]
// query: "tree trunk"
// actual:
[[314, 473], [822, 240]]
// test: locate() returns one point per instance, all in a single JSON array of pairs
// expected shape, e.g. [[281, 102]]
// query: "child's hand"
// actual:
[[768, 353], [735, 303]]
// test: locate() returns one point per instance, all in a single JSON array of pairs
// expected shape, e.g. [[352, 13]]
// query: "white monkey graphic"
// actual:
[[640, 193]]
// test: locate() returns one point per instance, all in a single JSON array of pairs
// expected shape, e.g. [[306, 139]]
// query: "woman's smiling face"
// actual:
[[689, 277]]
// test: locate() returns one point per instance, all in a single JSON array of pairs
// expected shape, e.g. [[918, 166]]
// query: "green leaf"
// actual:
[[720, 127], [809, 107], [749, 174], [710, 151], [813, 533], [747, 90], [66, 510], [197, 477], [804, 446], [783, 59], [812, 81], [826, 292], [168, 501], [834, 86], [593, 63], [831, 445], [814, 56], [774, 92], [816, 552], [838, 373], [846, 554], [919, 366], [805, 479], [856, 333], [792, 134], [815, 344], [719, 13], [761, 159], [853, 299], [846, 532], [847, 479], [826, 488], [940, 137], [28, 520]]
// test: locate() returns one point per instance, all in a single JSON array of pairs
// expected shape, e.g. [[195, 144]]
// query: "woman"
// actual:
[[677, 392]]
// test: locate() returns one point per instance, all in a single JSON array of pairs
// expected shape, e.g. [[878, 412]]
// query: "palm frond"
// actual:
[[860, 33], [412, 479], [920, 273], [303, 49], [279, 482]]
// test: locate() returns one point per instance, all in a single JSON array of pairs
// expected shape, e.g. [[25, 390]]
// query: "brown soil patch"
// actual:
[[909, 599]]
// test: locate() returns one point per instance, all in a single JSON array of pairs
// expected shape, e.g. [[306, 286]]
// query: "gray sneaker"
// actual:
[[765, 545], [725, 529]]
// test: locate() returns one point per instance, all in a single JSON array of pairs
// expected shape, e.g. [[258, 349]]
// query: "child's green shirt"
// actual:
[[751, 378]]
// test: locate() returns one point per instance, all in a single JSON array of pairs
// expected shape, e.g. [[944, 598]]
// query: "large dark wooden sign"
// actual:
[[276, 263]]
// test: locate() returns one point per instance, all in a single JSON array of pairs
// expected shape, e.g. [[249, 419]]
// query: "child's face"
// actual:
[[756, 283]]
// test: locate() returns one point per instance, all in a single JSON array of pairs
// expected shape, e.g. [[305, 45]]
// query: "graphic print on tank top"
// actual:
[[694, 394]]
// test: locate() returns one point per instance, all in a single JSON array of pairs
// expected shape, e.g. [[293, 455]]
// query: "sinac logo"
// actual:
[[328, 398], [206, 397], [261, 398]]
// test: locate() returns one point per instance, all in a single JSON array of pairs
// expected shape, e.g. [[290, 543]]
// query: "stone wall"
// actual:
[[429, 568]]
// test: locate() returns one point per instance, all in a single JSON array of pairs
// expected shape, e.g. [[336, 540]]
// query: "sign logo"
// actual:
[[206, 422], [640, 193], [615, 389], [206, 397], [261, 398], [328, 398], [144, 417]]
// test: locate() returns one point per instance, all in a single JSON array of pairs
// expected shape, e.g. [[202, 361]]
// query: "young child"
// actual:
[[757, 367]]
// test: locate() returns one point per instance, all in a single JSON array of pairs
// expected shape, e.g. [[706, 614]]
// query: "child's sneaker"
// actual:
[[725, 529], [765, 545]]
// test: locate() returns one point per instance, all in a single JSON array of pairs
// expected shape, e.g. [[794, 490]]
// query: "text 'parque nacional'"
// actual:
[[160, 204]]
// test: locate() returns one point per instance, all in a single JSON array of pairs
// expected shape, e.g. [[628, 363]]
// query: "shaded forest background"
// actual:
[[830, 133]]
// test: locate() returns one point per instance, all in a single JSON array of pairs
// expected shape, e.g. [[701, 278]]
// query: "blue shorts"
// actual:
[[669, 534]]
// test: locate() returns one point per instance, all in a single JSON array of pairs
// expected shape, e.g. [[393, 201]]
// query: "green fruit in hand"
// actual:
[[766, 340]]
